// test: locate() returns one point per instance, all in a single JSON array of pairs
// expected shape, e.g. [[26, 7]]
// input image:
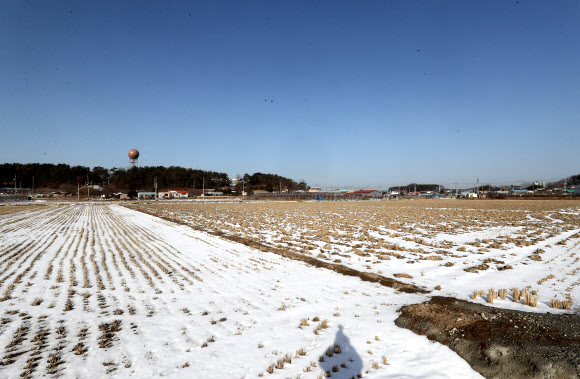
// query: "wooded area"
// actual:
[[66, 178]]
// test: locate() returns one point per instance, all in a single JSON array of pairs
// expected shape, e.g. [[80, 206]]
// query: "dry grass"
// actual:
[[37, 302], [541, 281], [491, 296], [502, 293], [526, 296], [516, 295], [79, 349], [566, 304], [321, 326], [280, 364], [476, 294]]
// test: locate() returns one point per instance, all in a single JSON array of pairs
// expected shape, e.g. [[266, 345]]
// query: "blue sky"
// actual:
[[362, 94]]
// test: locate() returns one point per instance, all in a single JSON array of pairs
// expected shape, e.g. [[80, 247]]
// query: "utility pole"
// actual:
[[203, 187], [33, 186], [15, 185], [78, 192], [280, 187], [88, 187], [155, 185]]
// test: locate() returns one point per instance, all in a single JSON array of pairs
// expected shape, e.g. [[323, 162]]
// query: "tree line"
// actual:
[[268, 182], [418, 187], [66, 178], [569, 181]]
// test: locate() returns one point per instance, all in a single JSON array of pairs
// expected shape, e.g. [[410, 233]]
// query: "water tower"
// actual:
[[133, 157]]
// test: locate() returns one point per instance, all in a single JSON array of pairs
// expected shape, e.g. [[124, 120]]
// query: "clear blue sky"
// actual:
[[372, 93]]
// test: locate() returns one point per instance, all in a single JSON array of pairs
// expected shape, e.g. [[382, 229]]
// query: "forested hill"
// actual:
[[271, 182], [65, 177]]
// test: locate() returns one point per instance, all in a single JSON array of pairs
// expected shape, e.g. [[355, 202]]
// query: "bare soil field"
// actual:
[[499, 342]]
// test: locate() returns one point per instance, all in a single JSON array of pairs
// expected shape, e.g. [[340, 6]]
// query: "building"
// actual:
[[173, 194], [179, 193], [213, 193], [145, 195]]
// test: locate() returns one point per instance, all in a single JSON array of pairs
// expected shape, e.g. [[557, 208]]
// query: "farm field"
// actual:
[[95, 290], [456, 248]]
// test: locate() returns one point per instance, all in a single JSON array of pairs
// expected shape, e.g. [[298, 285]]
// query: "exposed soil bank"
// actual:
[[500, 343], [288, 253]]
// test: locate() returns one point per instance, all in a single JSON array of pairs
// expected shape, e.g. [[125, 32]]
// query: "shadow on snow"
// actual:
[[341, 359]]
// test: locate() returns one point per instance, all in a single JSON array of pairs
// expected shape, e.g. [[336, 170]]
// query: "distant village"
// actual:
[[61, 181], [311, 193]]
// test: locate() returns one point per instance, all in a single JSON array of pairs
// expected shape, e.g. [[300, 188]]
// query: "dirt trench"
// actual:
[[500, 343]]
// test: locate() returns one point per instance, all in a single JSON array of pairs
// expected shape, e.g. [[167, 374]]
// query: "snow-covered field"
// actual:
[[94, 290], [461, 246]]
